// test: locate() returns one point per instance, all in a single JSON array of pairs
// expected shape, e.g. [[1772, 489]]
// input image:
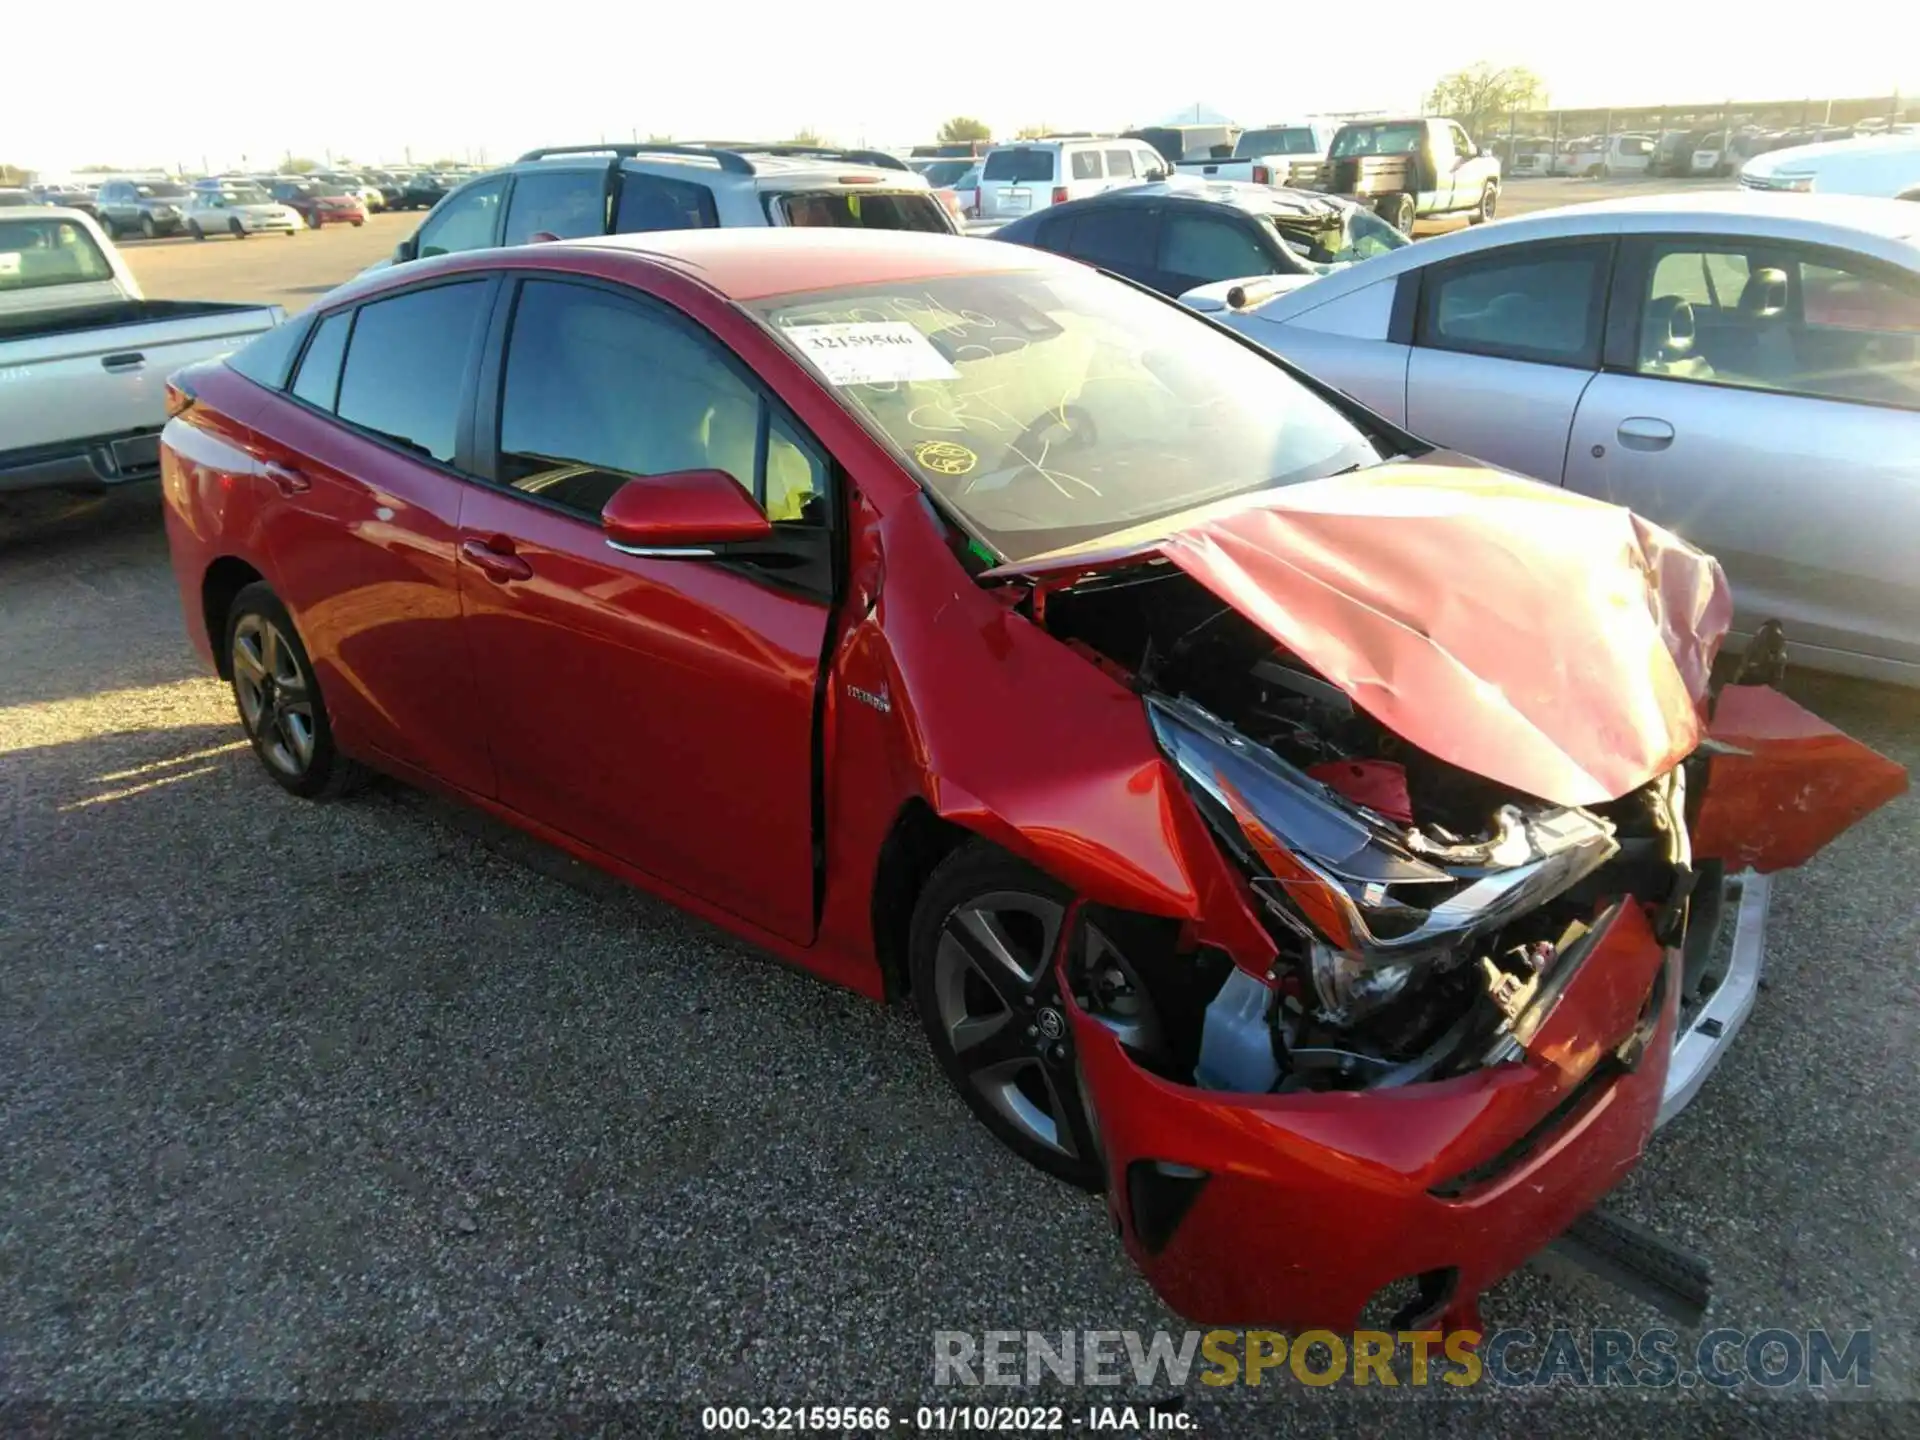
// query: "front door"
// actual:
[[1771, 416], [661, 710], [1504, 344]]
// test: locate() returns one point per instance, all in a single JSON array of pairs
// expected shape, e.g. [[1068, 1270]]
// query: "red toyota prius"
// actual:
[[1316, 841]]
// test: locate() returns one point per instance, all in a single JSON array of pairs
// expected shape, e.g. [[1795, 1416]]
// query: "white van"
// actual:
[[1029, 175]]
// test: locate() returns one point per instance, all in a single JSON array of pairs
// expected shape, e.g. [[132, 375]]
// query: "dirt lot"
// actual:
[[377, 1100]]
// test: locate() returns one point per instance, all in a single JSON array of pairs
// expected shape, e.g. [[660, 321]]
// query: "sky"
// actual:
[[232, 83]]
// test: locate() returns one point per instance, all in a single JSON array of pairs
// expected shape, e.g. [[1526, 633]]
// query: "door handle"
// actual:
[[124, 361], [285, 480], [494, 558], [1644, 432]]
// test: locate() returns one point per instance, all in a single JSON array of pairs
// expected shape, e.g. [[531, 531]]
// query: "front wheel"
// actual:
[[983, 957], [193, 229], [279, 699], [239, 230], [148, 229], [358, 223]]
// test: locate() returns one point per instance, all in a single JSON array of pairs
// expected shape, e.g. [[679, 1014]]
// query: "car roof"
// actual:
[[752, 262]]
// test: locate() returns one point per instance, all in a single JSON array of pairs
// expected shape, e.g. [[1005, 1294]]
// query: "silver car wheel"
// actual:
[[276, 702]]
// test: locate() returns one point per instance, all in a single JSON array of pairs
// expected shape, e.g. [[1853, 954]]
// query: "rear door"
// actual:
[[1119, 237], [362, 455], [1017, 180], [469, 220], [658, 709], [567, 200], [1762, 399], [1504, 343]]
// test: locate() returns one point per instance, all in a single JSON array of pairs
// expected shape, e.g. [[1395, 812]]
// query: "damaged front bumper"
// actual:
[[1297, 1210], [1718, 992]]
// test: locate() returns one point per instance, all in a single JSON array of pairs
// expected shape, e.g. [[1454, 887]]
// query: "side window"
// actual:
[[1086, 164], [462, 222], [318, 382], [1119, 162], [599, 390], [1523, 303], [266, 358], [407, 363], [1204, 249], [1462, 146], [649, 202], [567, 203], [1119, 237], [1058, 234], [1766, 316]]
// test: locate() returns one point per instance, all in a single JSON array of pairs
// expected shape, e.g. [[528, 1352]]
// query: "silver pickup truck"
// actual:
[[84, 356]]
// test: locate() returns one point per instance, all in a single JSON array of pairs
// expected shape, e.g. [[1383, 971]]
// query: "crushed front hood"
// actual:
[[1549, 642]]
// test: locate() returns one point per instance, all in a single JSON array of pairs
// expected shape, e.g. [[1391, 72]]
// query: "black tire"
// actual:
[[1398, 211], [1489, 202], [193, 229], [238, 230], [315, 222], [1024, 1065], [108, 228], [358, 223], [148, 229], [286, 720]]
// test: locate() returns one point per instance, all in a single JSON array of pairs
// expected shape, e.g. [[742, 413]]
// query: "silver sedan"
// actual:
[[1742, 368]]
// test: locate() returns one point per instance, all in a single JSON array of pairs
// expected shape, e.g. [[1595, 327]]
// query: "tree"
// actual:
[[99, 169], [299, 165], [1031, 132], [12, 175], [965, 127], [805, 135], [1480, 94]]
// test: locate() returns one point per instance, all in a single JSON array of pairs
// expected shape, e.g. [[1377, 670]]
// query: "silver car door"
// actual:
[[1504, 342], [1764, 403], [1349, 343]]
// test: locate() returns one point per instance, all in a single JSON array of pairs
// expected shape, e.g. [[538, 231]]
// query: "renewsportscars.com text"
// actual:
[[1723, 1358]]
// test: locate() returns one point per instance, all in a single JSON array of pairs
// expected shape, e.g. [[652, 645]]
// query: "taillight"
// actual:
[[1059, 194], [859, 179], [1262, 175]]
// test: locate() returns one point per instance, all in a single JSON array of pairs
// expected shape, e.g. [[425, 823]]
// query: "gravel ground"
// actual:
[[376, 1101]]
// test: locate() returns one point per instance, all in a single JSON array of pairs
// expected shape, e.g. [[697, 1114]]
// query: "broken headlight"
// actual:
[[1373, 900]]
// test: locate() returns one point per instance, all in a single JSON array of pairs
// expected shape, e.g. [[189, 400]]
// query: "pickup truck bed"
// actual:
[[83, 367]]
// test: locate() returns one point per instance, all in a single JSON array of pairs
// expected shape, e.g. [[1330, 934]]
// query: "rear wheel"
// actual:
[[279, 699], [1397, 211], [983, 956], [148, 229], [1489, 200]]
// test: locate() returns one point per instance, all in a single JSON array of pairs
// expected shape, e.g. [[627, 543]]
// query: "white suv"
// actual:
[[1888, 167], [1030, 175], [566, 192]]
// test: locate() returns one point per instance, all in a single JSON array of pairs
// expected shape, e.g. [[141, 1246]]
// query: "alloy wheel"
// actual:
[[276, 700], [999, 1005]]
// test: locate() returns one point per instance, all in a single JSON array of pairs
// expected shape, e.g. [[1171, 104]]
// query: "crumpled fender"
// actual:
[[1787, 784]]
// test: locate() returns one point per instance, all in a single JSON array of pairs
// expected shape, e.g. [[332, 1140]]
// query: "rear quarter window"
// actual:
[[1086, 165], [267, 358]]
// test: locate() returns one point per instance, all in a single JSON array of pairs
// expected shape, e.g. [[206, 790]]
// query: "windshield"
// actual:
[[863, 209], [942, 173], [48, 252], [160, 192], [1292, 140], [1401, 139], [1344, 239], [1025, 165], [1047, 409], [244, 195]]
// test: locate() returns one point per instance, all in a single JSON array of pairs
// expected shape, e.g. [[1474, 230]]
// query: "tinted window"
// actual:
[[1022, 165], [1401, 139], [266, 358], [1119, 237], [1119, 162], [1086, 164], [648, 202], [854, 210], [1529, 304], [407, 363], [1286, 140], [1766, 316], [319, 380], [565, 203], [1206, 249], [462, 222], [600, 390]]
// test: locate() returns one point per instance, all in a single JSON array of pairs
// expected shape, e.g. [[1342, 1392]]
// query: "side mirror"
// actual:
[[684, 515], [407, 249]]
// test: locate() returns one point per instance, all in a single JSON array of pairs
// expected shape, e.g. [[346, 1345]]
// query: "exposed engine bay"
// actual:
[[1423, 916]]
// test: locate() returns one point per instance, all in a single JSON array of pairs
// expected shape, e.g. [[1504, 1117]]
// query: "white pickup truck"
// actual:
[[1292, 154], [84, 356]]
